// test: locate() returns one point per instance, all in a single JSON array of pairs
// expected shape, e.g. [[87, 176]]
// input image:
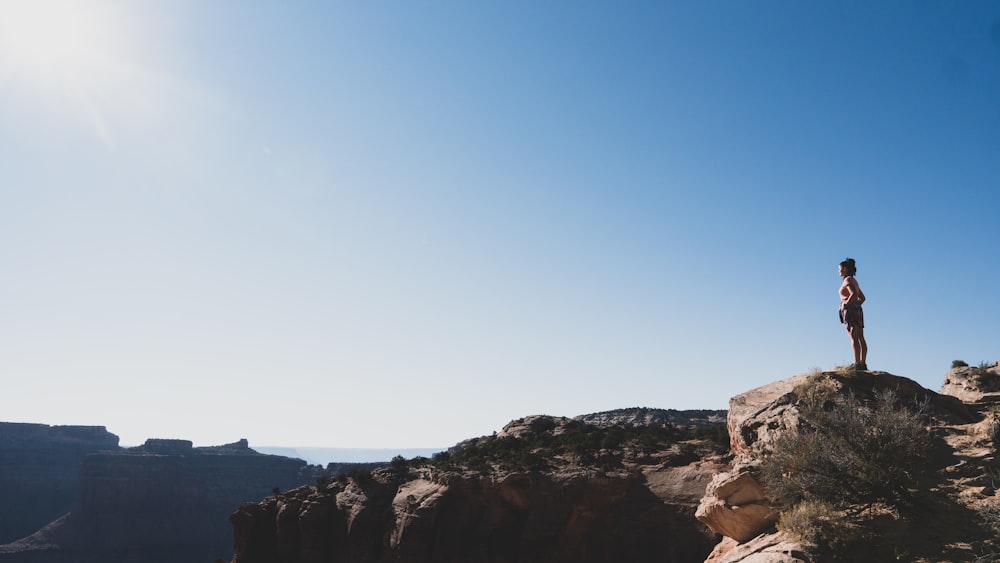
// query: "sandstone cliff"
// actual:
[[945, 510], [40, 470], [164, 501], [544, 489]]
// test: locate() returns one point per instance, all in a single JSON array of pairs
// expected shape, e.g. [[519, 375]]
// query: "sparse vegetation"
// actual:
[[850, 455], [993, 430], [989, 516], [849, 369], [815, 522], [985, 378], [399, 465], [958, 364], [580, 442], [848, 450], [360, 476]]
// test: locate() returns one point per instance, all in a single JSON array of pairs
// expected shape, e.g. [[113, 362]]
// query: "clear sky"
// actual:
[[403, 224]]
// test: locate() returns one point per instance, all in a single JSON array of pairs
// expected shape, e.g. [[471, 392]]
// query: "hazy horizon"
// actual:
[[392, 224]]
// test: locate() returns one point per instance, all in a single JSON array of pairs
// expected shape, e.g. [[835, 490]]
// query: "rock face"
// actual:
[[642, 510], [40, 471], [974, 384], [735, 503], [162, 502]]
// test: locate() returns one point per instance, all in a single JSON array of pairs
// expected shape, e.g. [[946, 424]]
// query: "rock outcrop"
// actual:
[[736, 505], [165, 501], [639, 508], [40, 472], [979, 385]]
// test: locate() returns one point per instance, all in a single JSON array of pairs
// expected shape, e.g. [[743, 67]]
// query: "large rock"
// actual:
[[973, 384], [768, 548], [735, 503], [736, 506]]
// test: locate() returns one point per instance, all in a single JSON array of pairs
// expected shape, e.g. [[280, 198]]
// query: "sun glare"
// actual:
[[66, 58], [54, 40]]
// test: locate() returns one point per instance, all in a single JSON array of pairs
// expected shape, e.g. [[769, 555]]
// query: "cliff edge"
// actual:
[[543, 489], [815, 476]]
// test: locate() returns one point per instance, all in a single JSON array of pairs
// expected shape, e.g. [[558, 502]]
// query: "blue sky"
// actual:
[[398, 224]]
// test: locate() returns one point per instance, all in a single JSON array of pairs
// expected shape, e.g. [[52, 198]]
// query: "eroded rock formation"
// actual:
[[979, 384], [638, 509]]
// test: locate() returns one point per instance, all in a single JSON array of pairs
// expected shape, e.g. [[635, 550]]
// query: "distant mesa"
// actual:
[[72, 495]]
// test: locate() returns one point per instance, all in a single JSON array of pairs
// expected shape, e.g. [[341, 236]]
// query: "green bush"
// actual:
[[399, 465], [848, 450]]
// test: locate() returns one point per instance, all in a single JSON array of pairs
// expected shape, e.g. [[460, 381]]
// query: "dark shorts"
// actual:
[[852, 316]]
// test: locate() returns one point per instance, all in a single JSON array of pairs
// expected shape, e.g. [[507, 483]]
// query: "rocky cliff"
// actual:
[[544, 489], [40, 471], [164, 501], [836, 466], [940, 506]]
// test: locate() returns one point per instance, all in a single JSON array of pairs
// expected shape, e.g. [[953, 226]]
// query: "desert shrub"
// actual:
[[361, 476], [848, 450], [993, 430], [717, 434], [985, 378], [399, 465], [989, 518], [687, 449], [958, 364], [815, 522]]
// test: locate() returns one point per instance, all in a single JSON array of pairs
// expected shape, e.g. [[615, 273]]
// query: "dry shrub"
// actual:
[[815, 522], [993, 430], [848, 450]]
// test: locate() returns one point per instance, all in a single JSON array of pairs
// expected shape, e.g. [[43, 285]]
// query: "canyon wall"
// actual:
[[40, 472], [597, 494]]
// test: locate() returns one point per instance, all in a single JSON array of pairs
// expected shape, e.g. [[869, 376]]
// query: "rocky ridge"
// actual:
[[595, 502], [544, 488]]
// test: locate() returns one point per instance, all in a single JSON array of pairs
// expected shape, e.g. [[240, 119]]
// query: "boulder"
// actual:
[[973, 384], [736, 506]]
